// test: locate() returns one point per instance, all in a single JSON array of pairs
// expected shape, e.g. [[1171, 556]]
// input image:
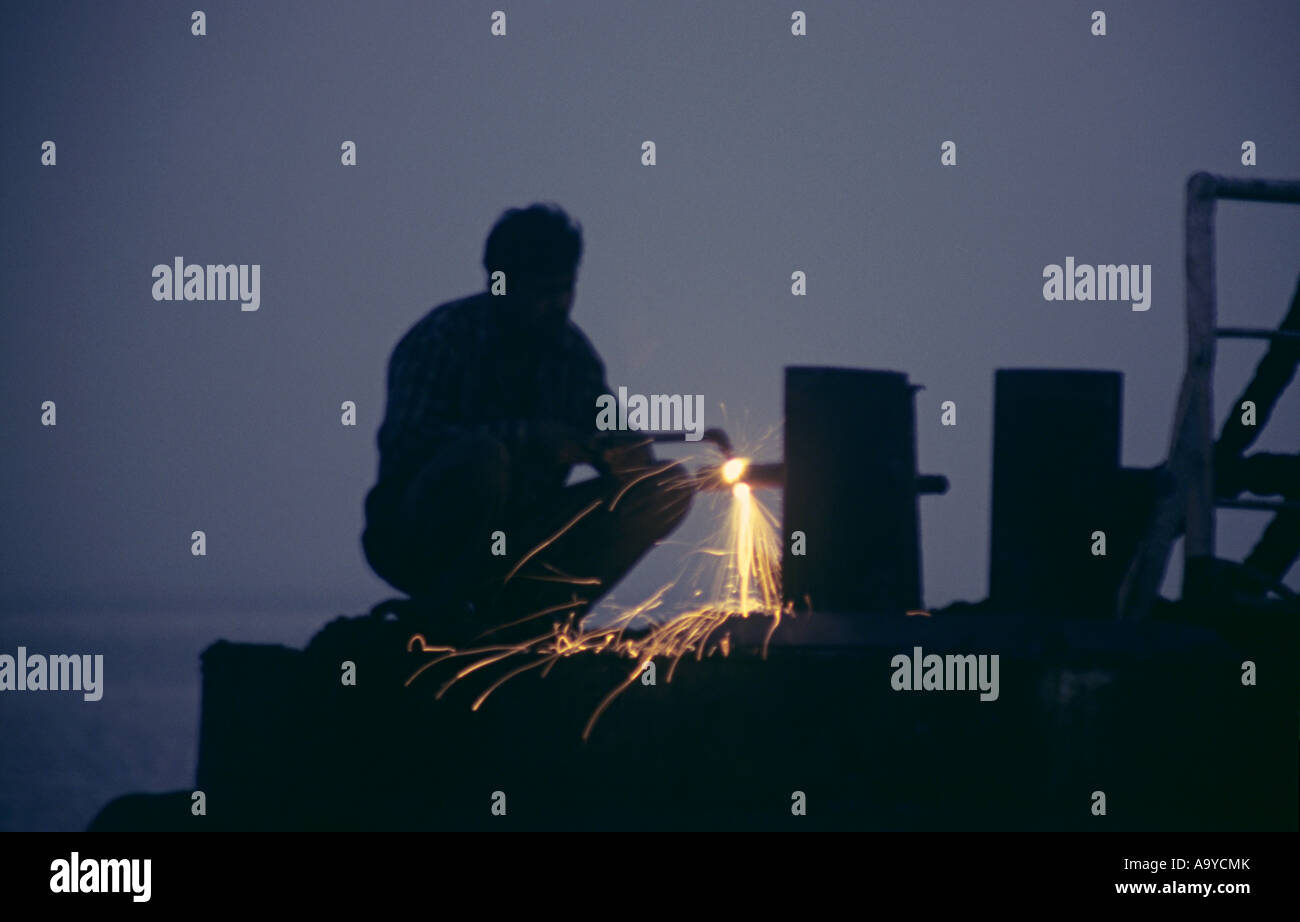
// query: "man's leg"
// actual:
[[426, 536], [580, 546]]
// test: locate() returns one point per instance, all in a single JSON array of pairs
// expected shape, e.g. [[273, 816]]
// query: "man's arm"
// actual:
[[616, 453]]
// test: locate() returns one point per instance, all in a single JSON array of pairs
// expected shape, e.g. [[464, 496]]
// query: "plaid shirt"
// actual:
[[456, 372]]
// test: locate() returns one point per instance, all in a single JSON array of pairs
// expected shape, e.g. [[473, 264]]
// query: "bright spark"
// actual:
[[733, 469]]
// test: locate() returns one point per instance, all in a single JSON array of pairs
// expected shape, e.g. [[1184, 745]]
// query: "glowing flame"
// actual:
[[734, 469]]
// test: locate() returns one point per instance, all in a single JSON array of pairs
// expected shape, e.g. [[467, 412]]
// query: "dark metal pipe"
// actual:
[[852, 491]]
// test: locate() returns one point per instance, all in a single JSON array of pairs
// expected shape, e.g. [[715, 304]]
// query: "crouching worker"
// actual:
[[491, 403]]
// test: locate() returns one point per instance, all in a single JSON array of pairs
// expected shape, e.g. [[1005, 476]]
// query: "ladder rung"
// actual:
[[1256, 504], [1255, 333]]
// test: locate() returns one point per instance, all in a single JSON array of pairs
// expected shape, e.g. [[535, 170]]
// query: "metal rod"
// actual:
[[1252, 333], [763, 475], [1264, 504], [1250, 190], [716, 436]]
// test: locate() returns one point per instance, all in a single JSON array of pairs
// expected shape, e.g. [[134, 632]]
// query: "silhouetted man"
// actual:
[[491, 402]]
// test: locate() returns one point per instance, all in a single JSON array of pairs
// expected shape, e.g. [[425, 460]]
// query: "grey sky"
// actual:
[[775, 153]]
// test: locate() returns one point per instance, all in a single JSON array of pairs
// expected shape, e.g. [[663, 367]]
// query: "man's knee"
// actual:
[[475, 448], [474, 461], [386, 554]]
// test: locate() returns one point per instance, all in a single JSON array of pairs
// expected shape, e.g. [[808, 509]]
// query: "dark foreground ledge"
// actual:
[[1154, 715]]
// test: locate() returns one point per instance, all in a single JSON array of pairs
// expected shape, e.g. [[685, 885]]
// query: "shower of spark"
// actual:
[[741, 571]]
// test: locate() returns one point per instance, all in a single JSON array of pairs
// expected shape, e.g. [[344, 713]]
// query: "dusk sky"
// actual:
[[775, 153]]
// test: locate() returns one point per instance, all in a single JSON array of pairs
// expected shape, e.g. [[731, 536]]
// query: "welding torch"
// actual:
[[732, 470]]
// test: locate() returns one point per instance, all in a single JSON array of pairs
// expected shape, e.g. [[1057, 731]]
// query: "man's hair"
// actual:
[[540, 240]]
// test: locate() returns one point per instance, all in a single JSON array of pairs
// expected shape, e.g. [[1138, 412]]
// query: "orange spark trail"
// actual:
[[743, 566]]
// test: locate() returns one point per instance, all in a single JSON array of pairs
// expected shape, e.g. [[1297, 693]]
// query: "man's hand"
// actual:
[[621, 454]]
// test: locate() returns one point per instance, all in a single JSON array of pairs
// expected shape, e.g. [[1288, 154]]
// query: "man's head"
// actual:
[[538, 248]]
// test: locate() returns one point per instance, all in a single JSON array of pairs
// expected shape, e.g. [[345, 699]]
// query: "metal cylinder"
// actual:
[[851, 489], [1056, 453]]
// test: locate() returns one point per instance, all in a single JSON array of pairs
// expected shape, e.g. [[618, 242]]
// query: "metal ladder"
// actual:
[[1189, 506]]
